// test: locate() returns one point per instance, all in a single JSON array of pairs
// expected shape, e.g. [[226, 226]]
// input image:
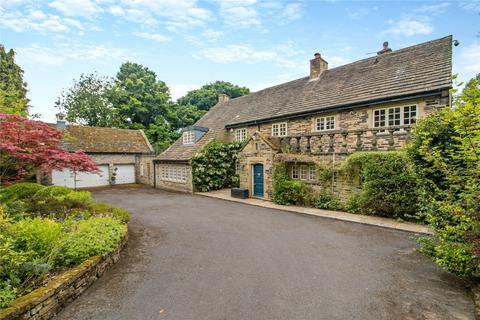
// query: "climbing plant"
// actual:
[[213, 167]]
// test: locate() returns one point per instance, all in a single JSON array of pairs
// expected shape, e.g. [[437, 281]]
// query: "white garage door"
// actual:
[[69, 179], [125, 173]]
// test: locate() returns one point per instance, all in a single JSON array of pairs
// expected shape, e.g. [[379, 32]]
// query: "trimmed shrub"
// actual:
[[107, 210], [213, 168], [19, 191], [88, 238], [389, 185], [287, 191], [325, 199]]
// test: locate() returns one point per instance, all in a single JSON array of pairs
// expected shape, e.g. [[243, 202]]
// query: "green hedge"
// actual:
[[213, 168], [389, 186]]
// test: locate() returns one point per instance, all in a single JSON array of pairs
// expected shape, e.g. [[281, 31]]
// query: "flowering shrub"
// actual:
[[213, 167]]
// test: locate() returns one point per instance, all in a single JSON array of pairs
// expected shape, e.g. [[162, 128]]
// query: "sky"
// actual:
[[189, 43]]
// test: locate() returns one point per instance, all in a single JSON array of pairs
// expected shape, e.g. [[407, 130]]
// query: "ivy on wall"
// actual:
[[213, 167]]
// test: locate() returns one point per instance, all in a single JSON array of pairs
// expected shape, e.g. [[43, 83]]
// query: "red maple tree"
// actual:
[[29, 145]]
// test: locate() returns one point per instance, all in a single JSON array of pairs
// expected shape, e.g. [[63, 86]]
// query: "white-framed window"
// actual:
[[188, 137], [279, 129], [325, 123], [395, 116], [312, 172], [306, 172], [409, 114], [294, 172], [241, 134], [174, 173], [303, 173], [237, 167]]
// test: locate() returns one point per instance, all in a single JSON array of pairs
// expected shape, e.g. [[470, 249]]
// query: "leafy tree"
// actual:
[[207, 96], [88, 102], [450, 170], [138, 95], [27, 145], [13, 89]]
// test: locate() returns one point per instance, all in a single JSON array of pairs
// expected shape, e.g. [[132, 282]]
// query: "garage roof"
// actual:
[[105, 140]]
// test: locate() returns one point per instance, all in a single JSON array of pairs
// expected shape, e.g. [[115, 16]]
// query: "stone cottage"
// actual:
[[117, 153], [366, 105]]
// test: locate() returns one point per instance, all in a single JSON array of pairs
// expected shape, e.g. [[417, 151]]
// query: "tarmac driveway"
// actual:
[[192, 257]]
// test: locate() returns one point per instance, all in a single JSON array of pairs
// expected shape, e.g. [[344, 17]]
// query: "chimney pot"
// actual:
[[61, 122], [223, 97], [385, 49], [317, 66]]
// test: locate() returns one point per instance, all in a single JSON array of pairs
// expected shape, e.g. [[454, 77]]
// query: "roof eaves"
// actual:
[[339, 107]]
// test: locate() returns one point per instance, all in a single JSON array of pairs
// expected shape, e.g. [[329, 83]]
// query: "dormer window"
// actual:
[[192, 134], [189, 137]]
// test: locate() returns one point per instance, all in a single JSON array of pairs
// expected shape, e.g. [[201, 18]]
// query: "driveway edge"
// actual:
[[335, 215]]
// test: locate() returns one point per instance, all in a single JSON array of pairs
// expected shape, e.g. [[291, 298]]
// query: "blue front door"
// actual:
[[258, 180]]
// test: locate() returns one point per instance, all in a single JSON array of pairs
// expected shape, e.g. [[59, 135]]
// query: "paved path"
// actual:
[[192, 257], [337, 215]]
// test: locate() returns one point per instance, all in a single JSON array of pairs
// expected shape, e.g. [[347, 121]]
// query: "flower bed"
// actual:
[[45, 231], [46, 301]]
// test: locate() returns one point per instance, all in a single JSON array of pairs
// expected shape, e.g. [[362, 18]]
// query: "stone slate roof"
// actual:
[[215, 120], [415, 70], [105, 140]]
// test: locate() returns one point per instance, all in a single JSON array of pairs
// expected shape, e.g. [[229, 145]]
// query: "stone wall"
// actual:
[[45, 302], [186, 186], [355, 119], [256, 152], [144, 168]]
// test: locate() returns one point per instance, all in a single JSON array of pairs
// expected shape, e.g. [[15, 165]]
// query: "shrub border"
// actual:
[[44, 302]]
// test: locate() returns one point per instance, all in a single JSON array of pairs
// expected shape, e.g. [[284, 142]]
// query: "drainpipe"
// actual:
[[154, 174], [333, 170]]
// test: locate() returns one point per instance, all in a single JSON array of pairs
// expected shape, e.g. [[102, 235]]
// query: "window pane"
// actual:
[[409, 114], [379, 118], [312, 173], [303, 172]]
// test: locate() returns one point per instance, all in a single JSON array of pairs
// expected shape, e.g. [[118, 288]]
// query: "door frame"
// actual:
[[253, 179]]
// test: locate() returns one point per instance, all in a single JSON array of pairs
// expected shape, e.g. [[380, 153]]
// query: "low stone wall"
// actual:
[[44, 302]]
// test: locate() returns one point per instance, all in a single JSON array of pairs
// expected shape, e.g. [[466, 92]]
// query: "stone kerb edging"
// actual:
[[44, 302]]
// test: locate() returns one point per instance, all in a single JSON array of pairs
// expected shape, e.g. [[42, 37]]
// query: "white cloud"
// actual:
[[434, 8], [473, 5], [83, 8], [358, 13], [409, 27], [38, 21], [292, 11], [63, 53], [153, 36], [239, 14], [116, 11], [178, 14], [467, 64], [237, 53]]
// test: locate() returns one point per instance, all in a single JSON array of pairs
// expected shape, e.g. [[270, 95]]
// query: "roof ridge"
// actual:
[[394, 52]]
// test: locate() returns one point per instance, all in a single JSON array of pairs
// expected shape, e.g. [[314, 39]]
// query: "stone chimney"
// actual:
[[223, 98], [385, 49], [317, 66], [61, 122]]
